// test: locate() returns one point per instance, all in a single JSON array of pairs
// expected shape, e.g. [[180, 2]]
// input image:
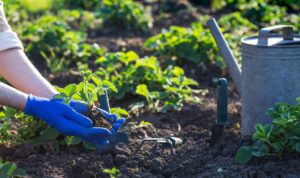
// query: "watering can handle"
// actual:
[[288, 33]]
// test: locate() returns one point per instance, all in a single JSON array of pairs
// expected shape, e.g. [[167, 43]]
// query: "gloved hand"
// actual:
[[65, 119], [111, 118]]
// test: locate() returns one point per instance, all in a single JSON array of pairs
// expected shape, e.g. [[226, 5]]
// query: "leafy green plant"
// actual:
[[124, 13], [54, 63], [7, 136], [112, 172], [135, 125], [282, 135], [10, 170], [82, 4], [144, 76], [54, 38], [80, 19], [179, 45]]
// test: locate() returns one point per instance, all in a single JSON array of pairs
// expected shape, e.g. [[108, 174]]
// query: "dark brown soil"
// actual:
[[193, 159], [97, 118]]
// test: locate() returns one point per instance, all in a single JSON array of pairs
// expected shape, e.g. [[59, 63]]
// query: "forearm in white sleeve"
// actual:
[[8, 38]]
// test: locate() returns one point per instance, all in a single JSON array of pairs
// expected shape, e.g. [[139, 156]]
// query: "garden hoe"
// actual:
[[167, 142], [116, 137], [218, 133]]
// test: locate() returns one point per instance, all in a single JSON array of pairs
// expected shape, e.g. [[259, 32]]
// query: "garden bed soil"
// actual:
[[97, 119], [193, 159]]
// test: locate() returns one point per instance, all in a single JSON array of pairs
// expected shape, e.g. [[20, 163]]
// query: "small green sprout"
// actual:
[[112, 172], [10, 170]]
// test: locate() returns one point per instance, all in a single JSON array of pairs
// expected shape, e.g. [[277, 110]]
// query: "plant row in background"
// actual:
[[163, 89]]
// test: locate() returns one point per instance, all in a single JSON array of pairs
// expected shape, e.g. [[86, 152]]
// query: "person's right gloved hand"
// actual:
[[65, 119]]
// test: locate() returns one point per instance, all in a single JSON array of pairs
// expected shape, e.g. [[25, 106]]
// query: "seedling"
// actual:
[[114, 173], [88, 92]]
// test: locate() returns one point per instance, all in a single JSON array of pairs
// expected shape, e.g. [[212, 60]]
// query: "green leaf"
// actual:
[[47, 135], [61, 96], [96, 79], [86, 75], [71, 140], [7, 169], [259, 128], [243, 155], [70, 90], [142, 90], [119, 111], [178, 71], [109, 85], [89, 145], [100, 60], [20, 172]]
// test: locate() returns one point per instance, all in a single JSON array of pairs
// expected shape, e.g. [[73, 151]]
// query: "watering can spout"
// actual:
[[234, 69]]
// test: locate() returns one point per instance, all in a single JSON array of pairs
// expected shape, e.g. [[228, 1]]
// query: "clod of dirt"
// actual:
[[25, 150], [97, 118]]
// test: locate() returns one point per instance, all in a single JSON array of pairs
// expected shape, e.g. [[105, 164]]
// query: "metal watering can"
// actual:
[[271, 71]]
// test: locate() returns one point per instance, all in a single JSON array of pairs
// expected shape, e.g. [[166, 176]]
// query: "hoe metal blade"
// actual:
[[114, 139]]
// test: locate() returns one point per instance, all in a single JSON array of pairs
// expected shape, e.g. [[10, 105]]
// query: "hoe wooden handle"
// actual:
[[226, 53]]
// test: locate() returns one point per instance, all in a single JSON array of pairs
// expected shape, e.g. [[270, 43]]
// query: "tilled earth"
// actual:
[[193, 159]]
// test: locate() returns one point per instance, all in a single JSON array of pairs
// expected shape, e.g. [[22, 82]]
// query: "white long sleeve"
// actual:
[[8, 38]]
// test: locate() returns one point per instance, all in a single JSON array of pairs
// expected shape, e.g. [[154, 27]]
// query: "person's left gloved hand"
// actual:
[[111, 118]]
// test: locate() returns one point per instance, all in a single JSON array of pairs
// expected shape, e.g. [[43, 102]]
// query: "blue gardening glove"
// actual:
[[111, 118], [65, 119]]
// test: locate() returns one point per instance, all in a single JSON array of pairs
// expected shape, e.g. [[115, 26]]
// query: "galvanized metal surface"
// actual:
[[270, 75], [271, 64]]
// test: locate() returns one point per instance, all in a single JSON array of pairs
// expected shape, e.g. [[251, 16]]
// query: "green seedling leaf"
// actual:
[[47, 135], [114, 173], [259, 128], [178, 71], [142, 90], [71, 140], [96, 79], [89, 145], [109, 85], [87, 75], [20, 172], [119, 111], [7, 169], [70, 90], [243, 155], [60, 96]]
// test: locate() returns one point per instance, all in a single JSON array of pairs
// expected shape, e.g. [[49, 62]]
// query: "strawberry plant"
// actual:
[[124, 13], [88, 92], [81, 20], [179, 45], [282, 135], [134, 75], [82, 4], [7, 136], [58, 44]]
